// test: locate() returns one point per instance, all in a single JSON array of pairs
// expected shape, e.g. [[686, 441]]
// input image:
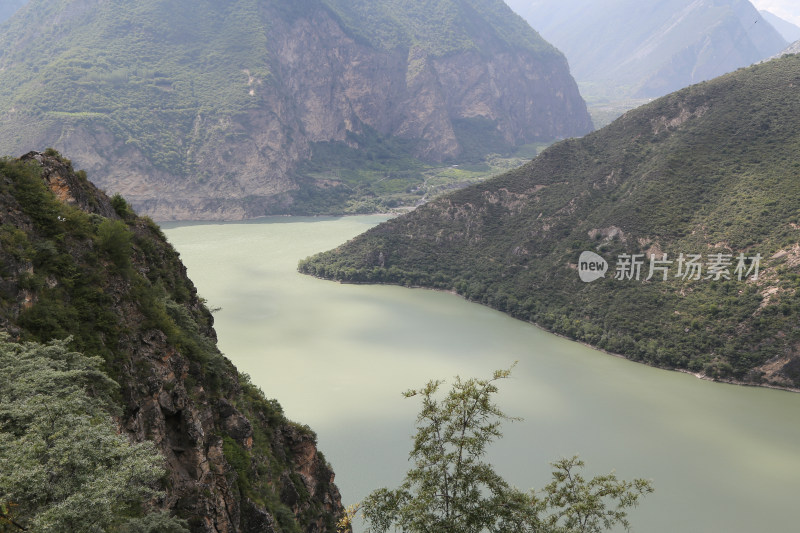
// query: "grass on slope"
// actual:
[[439, 27], [145, 70]]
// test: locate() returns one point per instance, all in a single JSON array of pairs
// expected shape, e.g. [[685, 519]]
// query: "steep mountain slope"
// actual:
[[201, 109], [648, 49], [790, 32], [708, 176], [76, 263]]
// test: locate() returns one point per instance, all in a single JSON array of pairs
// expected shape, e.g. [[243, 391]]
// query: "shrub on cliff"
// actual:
[[65, 466]]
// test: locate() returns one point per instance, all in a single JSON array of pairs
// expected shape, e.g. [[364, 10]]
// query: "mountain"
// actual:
[[790, 32], [9, 7], [207, 110], [649, 49], [707, 175], [793, 48], [78, 264]]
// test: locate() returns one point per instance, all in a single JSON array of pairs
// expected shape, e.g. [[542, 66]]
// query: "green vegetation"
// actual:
[[438, 28], [148, 85], [113, 288], [450, 488], [381, 176], [65, 466], [710, 169], [605, 105], [78, 261], [187, 62], [207, 94]]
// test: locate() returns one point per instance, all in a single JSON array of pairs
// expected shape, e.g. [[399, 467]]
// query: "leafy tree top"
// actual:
[[452, 489]]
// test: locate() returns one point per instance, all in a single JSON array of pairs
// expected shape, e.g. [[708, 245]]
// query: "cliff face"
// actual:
[[706, 175], [75, 262], [205, 110]]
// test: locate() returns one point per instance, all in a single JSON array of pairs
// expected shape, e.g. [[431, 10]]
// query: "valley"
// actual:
[[241, 230], [721, 457], [709, 169]]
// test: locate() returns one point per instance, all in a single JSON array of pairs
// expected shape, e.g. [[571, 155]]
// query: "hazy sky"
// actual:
[[786, 9]]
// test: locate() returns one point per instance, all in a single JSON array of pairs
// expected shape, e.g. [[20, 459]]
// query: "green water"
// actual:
[[722, 458]]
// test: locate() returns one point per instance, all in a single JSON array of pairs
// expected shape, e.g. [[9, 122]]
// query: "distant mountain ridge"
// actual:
[[789, 31], [709, 172], [648, 49], [206, 109]]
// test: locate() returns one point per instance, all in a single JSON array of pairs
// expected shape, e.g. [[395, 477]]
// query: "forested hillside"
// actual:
[[702, 185]]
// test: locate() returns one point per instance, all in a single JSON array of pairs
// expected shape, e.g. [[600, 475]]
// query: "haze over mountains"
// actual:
[[648, 49], [789, 31], [709, 171], [793, 48], [9, 7], [206, 109]]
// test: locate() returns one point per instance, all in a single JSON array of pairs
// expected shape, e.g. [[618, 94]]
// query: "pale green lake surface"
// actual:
[[722, 458]]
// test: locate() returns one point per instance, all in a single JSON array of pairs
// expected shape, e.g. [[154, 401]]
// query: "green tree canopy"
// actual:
[[452, 489], [65, 465]]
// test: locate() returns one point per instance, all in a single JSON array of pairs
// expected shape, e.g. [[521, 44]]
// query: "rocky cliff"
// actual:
[[76, 263], [204, 110], [793, 48]]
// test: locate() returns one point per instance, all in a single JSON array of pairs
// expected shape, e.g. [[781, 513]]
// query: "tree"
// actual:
[[65, 465], [451, 489], [583, 506], [115, 239]]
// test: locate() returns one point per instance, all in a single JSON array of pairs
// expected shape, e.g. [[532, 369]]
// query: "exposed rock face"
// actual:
[[793, 48], [310, 78], [234, 463]]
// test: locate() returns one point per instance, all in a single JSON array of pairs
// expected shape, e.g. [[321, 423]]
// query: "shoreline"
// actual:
[[698, 375], [248, 220]]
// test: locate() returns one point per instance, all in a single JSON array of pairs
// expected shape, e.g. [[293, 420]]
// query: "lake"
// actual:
[[722, 458]]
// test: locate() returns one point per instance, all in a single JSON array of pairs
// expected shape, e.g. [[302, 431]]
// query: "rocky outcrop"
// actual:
[[183, 142], [78, 263], [793, 48]]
